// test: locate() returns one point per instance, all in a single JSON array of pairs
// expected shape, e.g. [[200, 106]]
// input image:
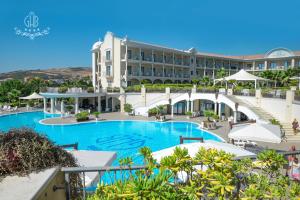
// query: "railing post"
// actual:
[[181, 140], [67, 183]]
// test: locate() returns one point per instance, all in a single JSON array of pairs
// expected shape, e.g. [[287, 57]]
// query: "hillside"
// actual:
[[53, 73]]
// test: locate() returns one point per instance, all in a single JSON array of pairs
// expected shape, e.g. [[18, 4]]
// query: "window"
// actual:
[[107, 55], [129, 70], [108, 70], [286, 64], [129, 54], [273, 65], [261, 65]]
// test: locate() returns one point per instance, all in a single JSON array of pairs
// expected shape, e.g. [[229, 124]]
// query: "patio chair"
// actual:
[[245, 92], [278, 93]]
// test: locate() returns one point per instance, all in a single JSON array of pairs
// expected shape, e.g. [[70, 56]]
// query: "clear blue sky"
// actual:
[[224, 26]]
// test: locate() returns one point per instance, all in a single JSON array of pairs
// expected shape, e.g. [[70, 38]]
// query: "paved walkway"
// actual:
[[222, 127]]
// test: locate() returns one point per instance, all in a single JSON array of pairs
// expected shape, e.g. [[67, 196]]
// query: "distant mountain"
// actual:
[[49, 74]]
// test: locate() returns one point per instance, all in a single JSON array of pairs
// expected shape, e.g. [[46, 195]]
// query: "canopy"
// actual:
[[33, 96], [256, 132], [193, 148], [242, 75]]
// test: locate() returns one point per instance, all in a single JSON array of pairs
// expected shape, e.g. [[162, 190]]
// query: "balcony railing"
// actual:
[[280, 94]]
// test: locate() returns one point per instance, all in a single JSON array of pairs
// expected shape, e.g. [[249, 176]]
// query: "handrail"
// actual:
[[190, 138], [75, 146]]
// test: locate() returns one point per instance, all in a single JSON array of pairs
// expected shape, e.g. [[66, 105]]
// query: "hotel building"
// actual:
[[122, 62]]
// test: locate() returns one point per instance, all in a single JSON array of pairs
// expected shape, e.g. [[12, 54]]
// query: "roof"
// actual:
[[194, 147], [257, 132], [33, 96], [242, 75]]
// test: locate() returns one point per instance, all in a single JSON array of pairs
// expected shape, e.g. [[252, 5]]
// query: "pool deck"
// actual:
[[222, 127]]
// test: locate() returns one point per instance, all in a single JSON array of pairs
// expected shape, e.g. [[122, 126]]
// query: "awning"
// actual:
[[33, 96], [193, 149], [256, 132]]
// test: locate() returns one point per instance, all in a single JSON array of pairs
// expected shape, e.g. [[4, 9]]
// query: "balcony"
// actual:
[[133, 57], [169, 60], [147, 73], [158, 74], [134, 73], [178, 62], [147, 58], [169, 74], [158, 60]]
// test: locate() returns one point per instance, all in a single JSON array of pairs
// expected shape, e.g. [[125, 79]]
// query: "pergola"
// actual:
[[54, 96], [242, 75]]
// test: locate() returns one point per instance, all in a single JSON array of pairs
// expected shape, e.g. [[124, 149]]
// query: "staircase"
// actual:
[[289, 132], [287, 127], [262, 114]]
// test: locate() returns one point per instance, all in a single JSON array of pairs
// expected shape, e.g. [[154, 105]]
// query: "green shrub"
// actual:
[[189, 113], [96, 114], [90, 90], [153, 112], [62, 89], [128, 108], [69, 108], [82, 116], [209, 114], [222, 178], [23, 151]]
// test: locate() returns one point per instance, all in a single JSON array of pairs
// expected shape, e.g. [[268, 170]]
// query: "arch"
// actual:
[[177, 81], [185, 81], [279, 53], [133, 82], [168, 81], [146, 81], [157, 81]]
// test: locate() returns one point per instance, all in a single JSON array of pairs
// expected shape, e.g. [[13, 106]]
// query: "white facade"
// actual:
[[120, 62]]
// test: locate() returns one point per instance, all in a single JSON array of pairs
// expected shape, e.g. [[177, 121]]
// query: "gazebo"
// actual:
[[242, 75]]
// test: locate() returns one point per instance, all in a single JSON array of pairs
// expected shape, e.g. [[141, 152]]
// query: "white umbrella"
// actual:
[[33, 96], [193, 149], [257, 132]]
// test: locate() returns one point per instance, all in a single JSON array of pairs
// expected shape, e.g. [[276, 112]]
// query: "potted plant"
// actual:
[[128, 108], [96, 115], [209, 114], [69, 108], [90, 90], [83, 116], [189, 114], [62, 89]]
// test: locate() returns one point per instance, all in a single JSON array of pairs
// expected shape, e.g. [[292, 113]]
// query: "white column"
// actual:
[[112, 104], [220, 110], [192, 106], [234, 116], [45, 104], [52, 105], [293, 63], [216, 107], [76, 105], [106, 103], [266, 65], [172, 111], [99, 103], [187, 105], [62, 108]]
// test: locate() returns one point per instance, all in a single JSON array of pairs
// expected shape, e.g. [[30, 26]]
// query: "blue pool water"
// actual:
[[123, 137]]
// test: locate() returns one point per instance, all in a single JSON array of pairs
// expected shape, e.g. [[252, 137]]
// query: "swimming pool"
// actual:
[[123, 137]]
